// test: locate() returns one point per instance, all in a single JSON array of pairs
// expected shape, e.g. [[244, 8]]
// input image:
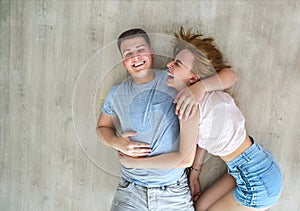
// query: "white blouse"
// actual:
[[222, 125]]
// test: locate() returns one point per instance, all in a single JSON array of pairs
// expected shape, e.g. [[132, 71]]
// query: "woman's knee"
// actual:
[[201, 205]]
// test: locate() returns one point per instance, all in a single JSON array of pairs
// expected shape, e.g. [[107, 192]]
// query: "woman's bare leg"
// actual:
[[228, 203], [220, 197], [222, 186]]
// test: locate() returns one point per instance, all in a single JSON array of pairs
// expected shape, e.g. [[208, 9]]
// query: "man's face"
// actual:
[[137, 56]]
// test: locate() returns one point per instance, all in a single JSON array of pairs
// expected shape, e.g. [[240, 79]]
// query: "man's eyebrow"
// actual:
[[141, 45], [125, 51]]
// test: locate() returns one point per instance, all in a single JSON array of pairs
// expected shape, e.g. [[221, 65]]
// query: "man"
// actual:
[[143, 107]]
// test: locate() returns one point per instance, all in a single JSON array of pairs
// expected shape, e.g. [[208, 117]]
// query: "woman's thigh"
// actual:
[[222, 186], [228, 203]]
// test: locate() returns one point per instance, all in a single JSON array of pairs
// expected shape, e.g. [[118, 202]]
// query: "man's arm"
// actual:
[[224, 79], [184, 157], [188, 99], [106, 131]]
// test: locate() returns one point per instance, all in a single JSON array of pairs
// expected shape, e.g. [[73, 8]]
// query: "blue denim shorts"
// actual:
[[258, 178], [132, 197]]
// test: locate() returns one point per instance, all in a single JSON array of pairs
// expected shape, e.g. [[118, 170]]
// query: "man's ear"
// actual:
[[194, 79], [124, 64], [152, 52]]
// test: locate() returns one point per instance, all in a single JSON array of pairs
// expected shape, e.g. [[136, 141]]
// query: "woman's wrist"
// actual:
[[195, 169]]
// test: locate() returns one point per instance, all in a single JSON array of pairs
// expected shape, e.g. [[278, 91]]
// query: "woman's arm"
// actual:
[[184, 157], [106, 132], [195, 170], [187, 99], [199, 159]]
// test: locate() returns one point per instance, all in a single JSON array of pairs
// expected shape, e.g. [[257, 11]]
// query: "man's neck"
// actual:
[[143, 78]]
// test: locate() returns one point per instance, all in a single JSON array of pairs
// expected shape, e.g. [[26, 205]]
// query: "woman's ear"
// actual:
[[194, 79]]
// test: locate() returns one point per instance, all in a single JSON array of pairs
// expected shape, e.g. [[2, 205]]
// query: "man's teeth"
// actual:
[[138, 64]]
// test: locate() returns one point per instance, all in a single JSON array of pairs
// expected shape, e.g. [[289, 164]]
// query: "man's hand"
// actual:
[[131, 148], [188, 100]]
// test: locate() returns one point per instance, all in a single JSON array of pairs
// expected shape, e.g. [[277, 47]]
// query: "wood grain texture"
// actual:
[[44, 46]]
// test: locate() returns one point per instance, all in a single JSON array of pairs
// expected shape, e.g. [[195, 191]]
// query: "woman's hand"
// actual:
[[187, 100], [194, 184]]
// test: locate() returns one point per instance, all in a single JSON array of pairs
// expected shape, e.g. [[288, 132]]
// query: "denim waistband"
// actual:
[[250, 152], [182, 179]]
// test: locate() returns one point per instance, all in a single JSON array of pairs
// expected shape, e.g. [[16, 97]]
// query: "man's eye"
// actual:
[[141, 50], [128, 54]]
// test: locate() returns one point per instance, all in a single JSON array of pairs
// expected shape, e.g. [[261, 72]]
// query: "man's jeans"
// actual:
[[130, 196]]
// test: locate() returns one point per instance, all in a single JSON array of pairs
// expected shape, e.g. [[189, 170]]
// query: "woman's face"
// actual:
[[180, 70]]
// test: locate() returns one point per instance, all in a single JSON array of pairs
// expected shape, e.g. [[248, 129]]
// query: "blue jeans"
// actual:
[[258, 178], [132, 197]]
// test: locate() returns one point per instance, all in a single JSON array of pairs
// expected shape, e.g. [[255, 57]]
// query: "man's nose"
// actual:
[[135, 57]]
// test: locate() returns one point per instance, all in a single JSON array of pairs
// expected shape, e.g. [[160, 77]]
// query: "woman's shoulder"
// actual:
[[215, 102], [216, 98]]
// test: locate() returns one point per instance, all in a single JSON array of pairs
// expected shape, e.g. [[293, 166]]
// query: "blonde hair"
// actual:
[[208, 59]]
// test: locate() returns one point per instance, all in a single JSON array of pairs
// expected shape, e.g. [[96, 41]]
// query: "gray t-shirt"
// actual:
[[149, 110]]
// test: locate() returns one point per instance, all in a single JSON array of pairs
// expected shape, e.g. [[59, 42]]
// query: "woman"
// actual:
[[254, 179]]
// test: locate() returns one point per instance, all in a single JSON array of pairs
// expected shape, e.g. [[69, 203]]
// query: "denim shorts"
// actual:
[[132, 197], [258, 178]]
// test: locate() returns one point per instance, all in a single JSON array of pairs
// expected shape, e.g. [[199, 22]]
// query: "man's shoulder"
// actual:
[[120, 86], [114, 88]]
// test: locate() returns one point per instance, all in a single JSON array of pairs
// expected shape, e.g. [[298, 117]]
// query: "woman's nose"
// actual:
[[170, 65]]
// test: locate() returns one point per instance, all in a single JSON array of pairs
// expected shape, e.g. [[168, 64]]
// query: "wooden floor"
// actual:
[[52, 89]]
